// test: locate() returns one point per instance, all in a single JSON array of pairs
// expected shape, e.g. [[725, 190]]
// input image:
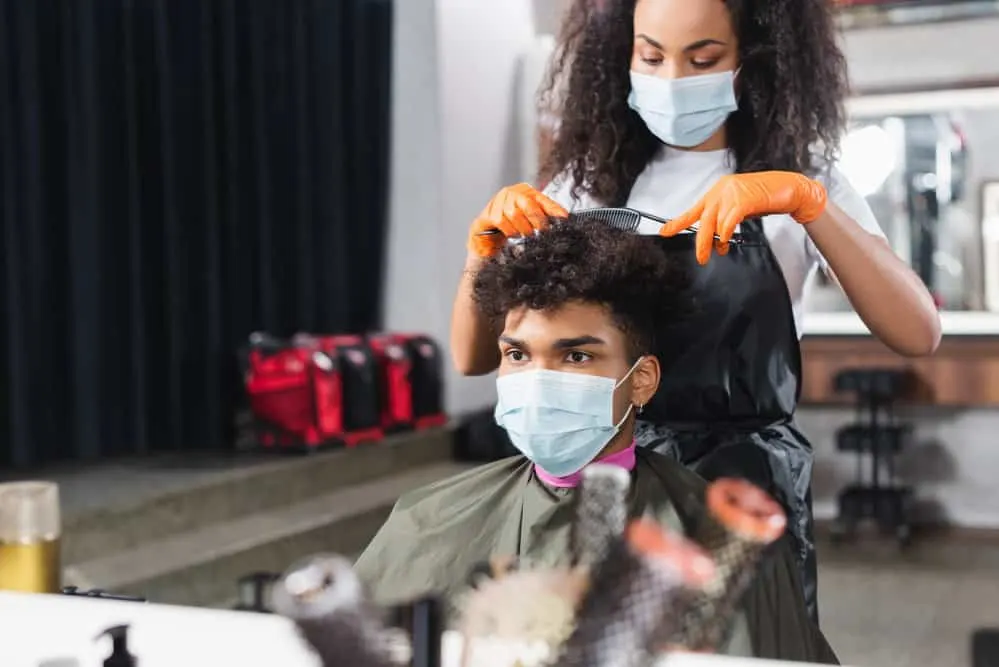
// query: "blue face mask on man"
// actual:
[[683, 112], [560, 421]]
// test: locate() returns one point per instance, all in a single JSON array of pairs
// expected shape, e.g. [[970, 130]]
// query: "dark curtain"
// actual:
[[175, 174]]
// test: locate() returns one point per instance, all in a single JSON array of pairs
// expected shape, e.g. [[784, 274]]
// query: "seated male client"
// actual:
[[576, 309]]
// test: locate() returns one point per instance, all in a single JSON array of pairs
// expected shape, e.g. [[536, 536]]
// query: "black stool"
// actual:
[[985, 647], [876, 434]]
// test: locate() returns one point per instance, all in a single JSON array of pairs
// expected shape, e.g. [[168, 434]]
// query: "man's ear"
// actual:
[[644, 380]]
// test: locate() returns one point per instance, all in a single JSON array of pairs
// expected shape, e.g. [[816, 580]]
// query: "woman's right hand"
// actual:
[[518, 210]]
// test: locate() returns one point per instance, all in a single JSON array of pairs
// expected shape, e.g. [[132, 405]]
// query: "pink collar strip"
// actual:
[[623, 459]]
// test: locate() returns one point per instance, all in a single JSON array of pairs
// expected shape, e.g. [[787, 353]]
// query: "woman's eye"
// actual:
[[704, 64], [653, 61], [576, 357]]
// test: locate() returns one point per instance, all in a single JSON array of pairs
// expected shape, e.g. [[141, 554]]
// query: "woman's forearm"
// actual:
[[473, 341], [888, 295]]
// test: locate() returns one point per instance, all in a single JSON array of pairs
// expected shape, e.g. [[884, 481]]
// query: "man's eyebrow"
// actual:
[[560, 344], [578, 341]]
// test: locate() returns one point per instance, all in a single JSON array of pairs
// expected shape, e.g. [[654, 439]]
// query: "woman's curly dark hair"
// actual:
[[791, 88], [587, 262]]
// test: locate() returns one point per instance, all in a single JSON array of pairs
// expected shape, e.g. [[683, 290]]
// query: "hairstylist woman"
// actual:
[[712, 112]]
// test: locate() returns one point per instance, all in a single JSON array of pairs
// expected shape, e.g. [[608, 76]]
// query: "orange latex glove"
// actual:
[[518, 210], [739, 196]]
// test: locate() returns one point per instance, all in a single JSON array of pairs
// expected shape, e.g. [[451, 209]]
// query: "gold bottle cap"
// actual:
[[29, 512]]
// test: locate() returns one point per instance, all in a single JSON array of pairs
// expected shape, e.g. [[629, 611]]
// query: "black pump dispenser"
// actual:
[[120, 657]]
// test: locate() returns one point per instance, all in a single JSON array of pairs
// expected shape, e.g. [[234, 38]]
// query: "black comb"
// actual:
[[625, 219]]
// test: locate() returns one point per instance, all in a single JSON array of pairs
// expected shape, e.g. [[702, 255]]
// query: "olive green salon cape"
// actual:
[[437, 534]]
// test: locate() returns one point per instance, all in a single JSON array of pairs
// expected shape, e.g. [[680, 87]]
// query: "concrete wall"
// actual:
[[414, 297], [935, 54], [456, 142]]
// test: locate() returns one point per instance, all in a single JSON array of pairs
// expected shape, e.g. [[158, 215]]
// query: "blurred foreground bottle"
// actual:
[[29, 537]]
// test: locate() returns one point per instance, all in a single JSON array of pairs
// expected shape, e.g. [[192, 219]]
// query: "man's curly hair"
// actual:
[[791, 88], [587, 262]]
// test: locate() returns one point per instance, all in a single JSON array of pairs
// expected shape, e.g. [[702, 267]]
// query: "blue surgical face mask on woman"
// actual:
[[683, 112], [560, 421]]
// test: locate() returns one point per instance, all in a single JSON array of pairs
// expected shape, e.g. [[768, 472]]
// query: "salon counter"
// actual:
[[964, 372], [61, 630], [953, 323]]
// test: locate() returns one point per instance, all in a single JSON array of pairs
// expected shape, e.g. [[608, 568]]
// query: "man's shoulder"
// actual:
[[435, 533], [460, 490]]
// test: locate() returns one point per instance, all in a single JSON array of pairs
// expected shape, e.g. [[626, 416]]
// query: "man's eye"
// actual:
[[577, 357], [515, 355]]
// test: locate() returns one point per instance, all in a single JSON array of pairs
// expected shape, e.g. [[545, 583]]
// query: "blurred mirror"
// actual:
[[925, 162], [854, 14]]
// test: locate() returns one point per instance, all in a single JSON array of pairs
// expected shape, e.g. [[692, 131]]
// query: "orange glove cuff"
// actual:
[[484, 245], [813, 200]]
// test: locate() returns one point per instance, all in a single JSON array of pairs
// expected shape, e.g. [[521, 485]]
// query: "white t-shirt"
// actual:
[[675, 180]]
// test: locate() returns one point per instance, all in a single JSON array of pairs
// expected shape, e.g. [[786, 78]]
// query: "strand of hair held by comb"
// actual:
[[742, 521]]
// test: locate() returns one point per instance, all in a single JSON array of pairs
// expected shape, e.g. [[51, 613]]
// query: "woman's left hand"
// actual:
[[739, 196]]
